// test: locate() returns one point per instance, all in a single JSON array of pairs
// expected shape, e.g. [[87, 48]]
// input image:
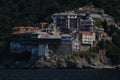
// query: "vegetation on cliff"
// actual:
[[31, 12]]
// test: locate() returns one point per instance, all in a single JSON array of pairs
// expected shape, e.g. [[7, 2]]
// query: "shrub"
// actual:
[[114, 54]]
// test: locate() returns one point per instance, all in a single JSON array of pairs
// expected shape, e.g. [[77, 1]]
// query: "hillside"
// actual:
[[32, 12], [28, 13]]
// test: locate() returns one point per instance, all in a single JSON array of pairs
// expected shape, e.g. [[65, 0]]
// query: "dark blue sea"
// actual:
[[59, 74]]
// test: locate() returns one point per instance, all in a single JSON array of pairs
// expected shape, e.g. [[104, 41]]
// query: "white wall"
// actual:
[[88, 38], [41, 49]]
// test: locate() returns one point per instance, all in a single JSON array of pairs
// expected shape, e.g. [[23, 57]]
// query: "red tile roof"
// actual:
[[21, 29], [44, 23], [26, 27], [85, 32], [16, 33]]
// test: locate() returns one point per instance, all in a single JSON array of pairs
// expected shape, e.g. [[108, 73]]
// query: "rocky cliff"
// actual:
[[74, 61]]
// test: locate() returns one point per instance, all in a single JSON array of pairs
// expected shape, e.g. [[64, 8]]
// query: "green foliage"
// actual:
[[4, 36], [116, 39], [29, 13], [94, 49], [103, 44], [114, 54], [84, 54], [110, 30], [105, 26], [113, 51], [98, 23], [110, 7]]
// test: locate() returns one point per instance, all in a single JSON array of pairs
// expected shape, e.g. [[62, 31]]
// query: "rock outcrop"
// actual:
[[56, 61]]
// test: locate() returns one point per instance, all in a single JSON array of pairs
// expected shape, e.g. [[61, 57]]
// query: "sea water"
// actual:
[[59, 74]]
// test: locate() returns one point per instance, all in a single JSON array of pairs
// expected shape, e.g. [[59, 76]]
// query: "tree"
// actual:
[[113, 29], [105, 26], [114, 54]]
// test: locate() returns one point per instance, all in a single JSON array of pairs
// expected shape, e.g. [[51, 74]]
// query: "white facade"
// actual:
[[76, 44], [88, 38]]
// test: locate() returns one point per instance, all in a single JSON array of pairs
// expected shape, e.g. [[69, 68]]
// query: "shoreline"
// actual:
[[30, 68]]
